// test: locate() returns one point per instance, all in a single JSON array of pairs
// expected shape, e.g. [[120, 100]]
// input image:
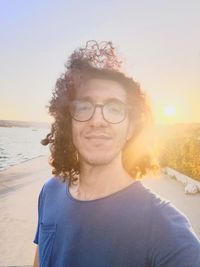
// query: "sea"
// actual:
[[19, 144]]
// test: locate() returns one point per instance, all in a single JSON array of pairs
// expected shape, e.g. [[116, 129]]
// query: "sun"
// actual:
[[169, 110]]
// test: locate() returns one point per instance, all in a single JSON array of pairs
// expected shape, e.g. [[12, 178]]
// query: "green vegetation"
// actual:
[[180, 150]]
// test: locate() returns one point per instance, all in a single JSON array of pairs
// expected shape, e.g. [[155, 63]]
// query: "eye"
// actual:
[[80, 106], [83, 107], [115, 107]]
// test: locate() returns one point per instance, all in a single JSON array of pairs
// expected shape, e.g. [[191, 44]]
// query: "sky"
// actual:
[[158, 40]]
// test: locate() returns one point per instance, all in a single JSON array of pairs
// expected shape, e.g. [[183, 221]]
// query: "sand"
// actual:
[[19, 189]]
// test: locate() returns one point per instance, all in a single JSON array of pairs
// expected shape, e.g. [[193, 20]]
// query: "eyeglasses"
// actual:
[[113, 111]]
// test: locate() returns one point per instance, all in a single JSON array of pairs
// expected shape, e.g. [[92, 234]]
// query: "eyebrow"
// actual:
[[88, 98]]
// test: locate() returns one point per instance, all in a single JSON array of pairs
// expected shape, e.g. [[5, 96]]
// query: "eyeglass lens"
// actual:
[[113, 112]]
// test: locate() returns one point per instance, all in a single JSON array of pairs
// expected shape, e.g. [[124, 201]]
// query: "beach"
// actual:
[[19, 189]]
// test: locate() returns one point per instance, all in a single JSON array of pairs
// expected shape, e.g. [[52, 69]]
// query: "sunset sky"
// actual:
[[159, 41]]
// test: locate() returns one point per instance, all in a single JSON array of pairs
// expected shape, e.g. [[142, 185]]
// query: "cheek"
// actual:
[[130, 131], [123, 133], [75, 132]]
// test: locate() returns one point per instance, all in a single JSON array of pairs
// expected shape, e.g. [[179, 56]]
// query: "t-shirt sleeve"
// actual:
[[40, 211], [172, 240]]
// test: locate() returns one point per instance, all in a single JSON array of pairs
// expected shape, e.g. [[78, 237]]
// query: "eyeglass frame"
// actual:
[[101, 106]]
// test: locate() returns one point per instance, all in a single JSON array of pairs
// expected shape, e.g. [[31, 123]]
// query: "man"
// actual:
[[94, 213]]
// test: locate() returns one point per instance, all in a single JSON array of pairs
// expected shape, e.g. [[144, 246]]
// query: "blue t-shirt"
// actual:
[[129, 228]]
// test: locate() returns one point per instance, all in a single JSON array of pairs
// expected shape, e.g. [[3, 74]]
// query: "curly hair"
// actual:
[[95, 60]]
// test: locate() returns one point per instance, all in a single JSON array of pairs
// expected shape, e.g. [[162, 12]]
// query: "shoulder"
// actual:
[[53, 183], [52, 193], [164, 215], [171, 241], [166, 220], [52, 188], [148, 199], [159, 206]]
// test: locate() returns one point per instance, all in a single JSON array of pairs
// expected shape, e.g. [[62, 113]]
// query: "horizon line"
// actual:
[[49, 122]]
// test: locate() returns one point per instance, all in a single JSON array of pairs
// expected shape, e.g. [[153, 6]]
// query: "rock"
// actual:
[[191, 188]]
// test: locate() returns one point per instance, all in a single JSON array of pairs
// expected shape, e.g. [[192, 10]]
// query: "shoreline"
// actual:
[[22, 173], [18, 163]]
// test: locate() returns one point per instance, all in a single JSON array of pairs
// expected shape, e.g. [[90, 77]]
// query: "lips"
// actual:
[[98, 140], [98, 137]]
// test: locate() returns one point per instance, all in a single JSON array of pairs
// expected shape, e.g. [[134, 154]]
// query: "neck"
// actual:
[[100, 181]]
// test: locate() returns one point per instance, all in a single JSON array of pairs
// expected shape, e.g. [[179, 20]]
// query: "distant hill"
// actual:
[[9, 123]]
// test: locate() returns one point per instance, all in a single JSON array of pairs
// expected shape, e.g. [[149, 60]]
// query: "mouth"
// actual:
[[98, 137]]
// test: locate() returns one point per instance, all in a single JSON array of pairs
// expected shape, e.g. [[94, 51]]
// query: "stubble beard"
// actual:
[[99, 158]]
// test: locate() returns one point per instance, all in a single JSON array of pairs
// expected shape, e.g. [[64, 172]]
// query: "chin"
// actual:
[[100, 159]]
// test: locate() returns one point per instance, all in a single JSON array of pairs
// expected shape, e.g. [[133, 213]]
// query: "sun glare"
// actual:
[[169, 111]]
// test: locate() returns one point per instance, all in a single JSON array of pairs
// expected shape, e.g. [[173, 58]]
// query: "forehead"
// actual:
[[101, 90]]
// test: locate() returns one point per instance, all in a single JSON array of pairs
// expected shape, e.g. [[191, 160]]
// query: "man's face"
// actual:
[[98, 141]]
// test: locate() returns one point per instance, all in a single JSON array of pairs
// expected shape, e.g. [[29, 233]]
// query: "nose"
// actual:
[[97, 118]]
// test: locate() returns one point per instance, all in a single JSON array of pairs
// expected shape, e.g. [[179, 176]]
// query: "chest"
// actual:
[[111, 235]]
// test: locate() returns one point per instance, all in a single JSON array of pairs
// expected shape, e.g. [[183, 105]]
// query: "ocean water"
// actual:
[[19, 144]]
